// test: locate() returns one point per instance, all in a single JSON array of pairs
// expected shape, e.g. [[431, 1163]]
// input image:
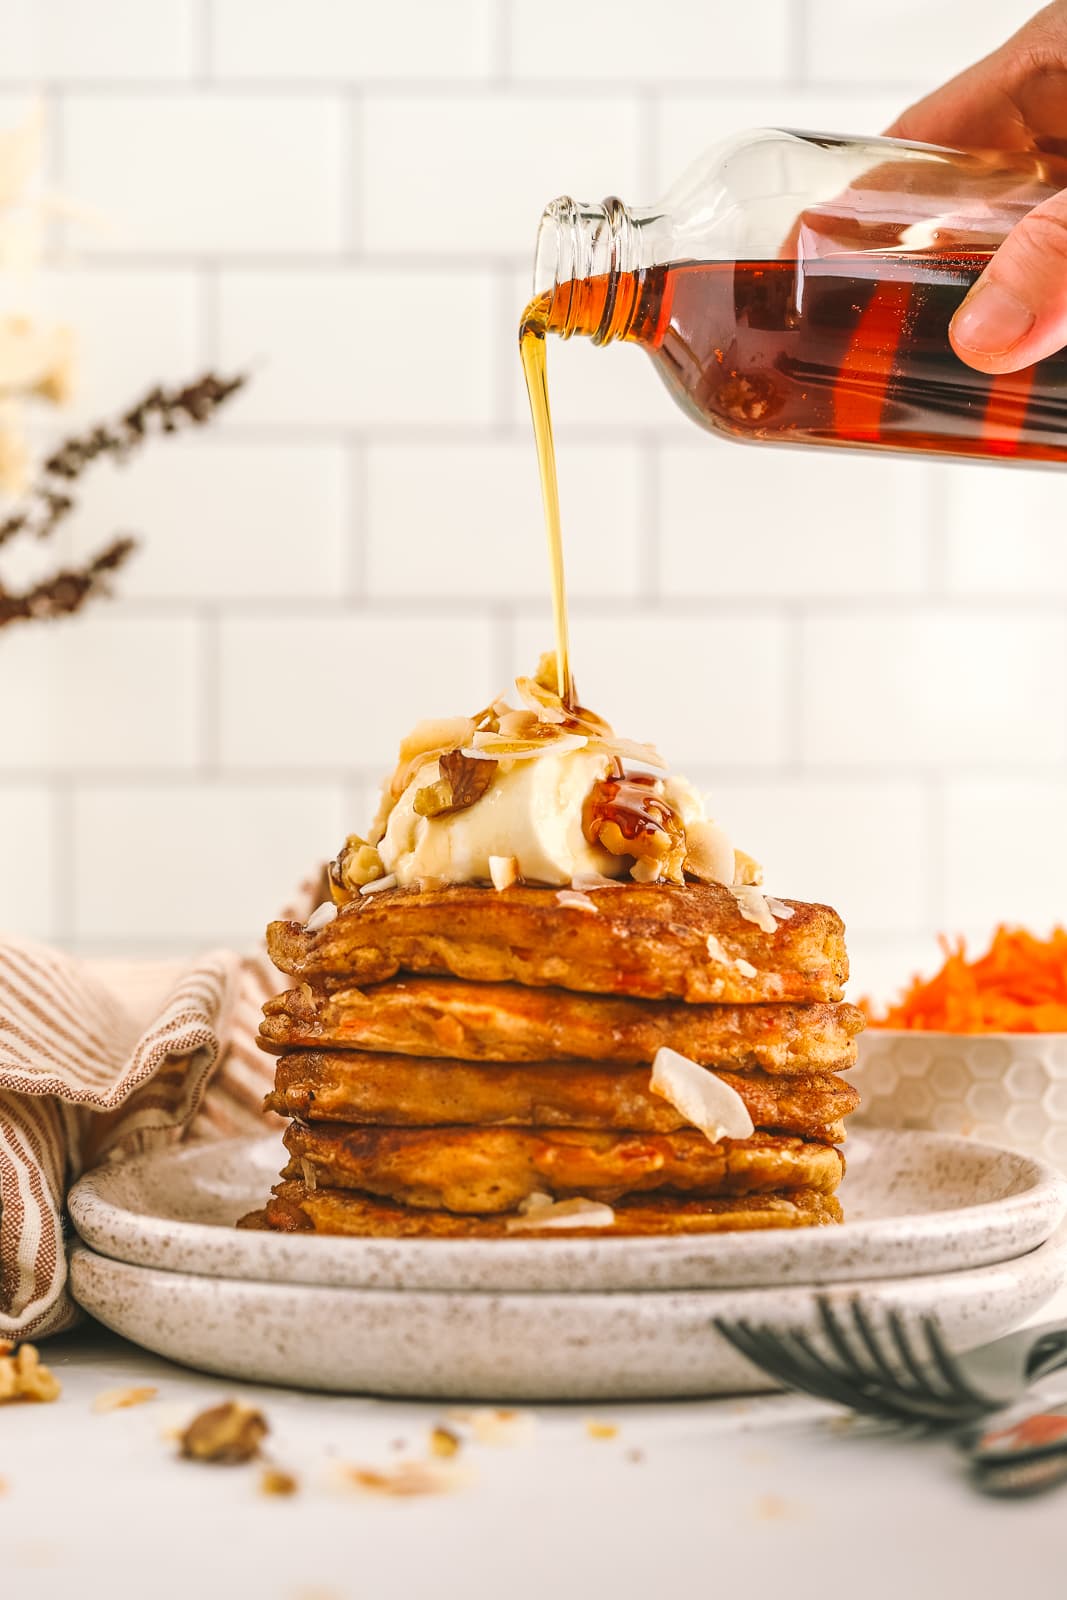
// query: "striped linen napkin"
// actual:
[[100, 1061]]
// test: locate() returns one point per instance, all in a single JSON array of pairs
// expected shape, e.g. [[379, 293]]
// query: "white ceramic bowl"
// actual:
[[1004, 1088]]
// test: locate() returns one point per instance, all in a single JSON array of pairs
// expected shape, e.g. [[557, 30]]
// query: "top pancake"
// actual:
[[652, 941]]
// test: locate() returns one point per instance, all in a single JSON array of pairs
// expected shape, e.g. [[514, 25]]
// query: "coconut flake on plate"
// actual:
[[576, 1213], [701, 1097]]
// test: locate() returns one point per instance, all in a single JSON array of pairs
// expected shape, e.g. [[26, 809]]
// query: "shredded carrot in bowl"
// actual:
[[1018, 986]]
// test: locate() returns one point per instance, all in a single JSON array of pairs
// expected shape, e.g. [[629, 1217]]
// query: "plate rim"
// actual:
[[1043, 1197]]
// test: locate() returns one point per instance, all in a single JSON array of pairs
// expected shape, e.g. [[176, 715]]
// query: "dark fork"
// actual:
[[899, 1376]]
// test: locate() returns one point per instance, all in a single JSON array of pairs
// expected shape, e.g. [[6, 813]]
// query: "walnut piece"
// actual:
[[463, 780], [230, 1433], [22, 1377], [357, 864]]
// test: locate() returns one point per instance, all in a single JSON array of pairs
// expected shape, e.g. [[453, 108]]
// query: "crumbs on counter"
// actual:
[[123, 1399], [275, 1481], [444, 1443], [406, 1479], [228, 1434], [601, 1430], [23, 1377]]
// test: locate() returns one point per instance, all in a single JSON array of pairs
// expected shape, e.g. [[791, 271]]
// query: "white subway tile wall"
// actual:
[[862, 662]]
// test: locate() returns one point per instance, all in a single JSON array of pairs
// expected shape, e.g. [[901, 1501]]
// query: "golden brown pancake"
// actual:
[[294, 1208], [652, 941], [414, 1091], [494, 1169], [508, 1022]]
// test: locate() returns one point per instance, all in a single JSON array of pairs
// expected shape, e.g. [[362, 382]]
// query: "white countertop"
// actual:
[[756, 1497]]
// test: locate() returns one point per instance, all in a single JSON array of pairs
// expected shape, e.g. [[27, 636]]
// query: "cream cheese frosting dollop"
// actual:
[[532, 811], [544, 794]]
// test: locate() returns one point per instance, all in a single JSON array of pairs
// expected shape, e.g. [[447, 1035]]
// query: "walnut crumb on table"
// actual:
[[228, 1434], [273, 1481], [22, 1377]]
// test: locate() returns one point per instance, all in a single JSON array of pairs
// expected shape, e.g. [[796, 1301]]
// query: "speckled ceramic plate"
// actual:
[[914, 1203], [508, 1347]]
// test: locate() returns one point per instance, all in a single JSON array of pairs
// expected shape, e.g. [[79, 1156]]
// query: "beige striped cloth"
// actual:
[[98, 1061]]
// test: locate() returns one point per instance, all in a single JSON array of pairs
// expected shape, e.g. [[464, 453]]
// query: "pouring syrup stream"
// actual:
[[532, 331]]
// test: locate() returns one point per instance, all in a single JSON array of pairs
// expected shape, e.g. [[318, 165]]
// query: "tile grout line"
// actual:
[[352, 199], [203, 44]]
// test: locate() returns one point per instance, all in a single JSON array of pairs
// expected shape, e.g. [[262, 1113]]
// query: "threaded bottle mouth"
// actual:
[[585, 252]]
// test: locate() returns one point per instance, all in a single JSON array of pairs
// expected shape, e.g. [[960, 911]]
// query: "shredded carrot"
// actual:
[[1018, 986]]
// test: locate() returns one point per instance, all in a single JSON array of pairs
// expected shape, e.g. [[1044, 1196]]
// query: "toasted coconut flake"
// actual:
[[122, 1399], [631, 751], [488, 1425], [709, 855], [601, 1430], [779, 909], [576, 1213], [320, 917], [716, 951], [427, 884], [550, 742], [536, 1200], [700, 1097], [746, 868], [543, 702], [745, 968], [309, 1176], [388, 882], [504, 871], [587, 882], [406, 1478], [575, 898], [753, 907]]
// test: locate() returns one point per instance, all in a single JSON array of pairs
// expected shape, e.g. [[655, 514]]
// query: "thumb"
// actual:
[[1017, 311]]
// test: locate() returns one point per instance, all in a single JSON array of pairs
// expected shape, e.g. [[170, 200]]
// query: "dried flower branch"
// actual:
[[161, 411]]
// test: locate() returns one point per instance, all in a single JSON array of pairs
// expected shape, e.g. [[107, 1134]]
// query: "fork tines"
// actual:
[[889, 1378]]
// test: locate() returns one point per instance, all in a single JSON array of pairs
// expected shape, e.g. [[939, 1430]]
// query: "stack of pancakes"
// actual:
[[453, 1056]]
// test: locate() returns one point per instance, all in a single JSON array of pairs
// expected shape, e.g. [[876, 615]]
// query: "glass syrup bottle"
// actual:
[[797, 288]]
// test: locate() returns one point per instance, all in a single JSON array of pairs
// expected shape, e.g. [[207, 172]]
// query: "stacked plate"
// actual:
[[934, 1225]]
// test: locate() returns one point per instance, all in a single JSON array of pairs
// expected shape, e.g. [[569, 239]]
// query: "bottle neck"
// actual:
[[590, 266]]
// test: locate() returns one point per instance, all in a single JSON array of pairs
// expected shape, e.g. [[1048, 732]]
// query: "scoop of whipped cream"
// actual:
[[546, 794]]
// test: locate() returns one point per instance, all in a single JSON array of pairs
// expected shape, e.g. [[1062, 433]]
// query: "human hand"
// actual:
[[1016, 99]]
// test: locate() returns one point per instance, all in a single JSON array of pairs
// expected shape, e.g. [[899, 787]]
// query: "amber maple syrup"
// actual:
[[849, 348]]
